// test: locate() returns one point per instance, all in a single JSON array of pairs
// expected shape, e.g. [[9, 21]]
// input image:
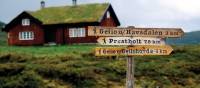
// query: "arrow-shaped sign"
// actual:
[[130, 41], [134, 32], [133, 51]]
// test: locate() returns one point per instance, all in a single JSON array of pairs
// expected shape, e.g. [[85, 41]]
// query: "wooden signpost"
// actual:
[[133, 42], [133, 51], [134, 32]]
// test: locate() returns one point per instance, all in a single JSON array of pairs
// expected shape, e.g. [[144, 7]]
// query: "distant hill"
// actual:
[[1, 24], [3, 36], [188, 38]]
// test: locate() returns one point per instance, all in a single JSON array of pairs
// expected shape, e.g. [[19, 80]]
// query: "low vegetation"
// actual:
[[75, 66]]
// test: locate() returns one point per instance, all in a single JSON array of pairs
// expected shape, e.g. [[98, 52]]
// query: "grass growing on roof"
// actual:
[[71, 14]]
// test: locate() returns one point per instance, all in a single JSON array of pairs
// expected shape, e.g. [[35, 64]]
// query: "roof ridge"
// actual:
[[28, 11], [84, 4], [101, 18]]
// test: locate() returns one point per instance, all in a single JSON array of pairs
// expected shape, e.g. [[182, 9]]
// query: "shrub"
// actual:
[[31, 80], [11, 69], [4, 58], [13, 57], [26, 79], [77, 76]]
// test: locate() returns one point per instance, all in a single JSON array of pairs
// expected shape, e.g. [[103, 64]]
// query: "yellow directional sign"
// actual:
[[131, 41], [133, 51], [134, 32]]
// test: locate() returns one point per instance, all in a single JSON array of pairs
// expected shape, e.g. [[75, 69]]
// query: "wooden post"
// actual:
[[130, 72]]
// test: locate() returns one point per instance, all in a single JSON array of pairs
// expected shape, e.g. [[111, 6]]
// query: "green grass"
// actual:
[[75, 66], [48, 51], [71, 14]]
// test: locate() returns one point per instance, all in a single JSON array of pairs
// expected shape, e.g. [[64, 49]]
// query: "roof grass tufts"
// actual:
[[71, 14]]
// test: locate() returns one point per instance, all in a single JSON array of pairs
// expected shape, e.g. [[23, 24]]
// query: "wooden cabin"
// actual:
[[59, 25]]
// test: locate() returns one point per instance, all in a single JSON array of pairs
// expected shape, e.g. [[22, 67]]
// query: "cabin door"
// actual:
[[50, 36]]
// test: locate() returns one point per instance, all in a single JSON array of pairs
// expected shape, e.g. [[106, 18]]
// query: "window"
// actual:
[[108, 14], [26, 35], [25, 22], [77, 32]]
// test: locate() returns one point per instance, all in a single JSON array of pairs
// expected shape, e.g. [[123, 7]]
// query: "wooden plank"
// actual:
[[134, 32], [131, 41], [130, 72], [133, 51]]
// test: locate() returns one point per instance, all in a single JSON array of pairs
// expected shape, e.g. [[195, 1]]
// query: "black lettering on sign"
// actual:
[[95, 31], [173, 33]]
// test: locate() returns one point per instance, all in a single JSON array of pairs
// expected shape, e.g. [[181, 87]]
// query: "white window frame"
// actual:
[[77, 32], [82, 31], [25, 22], [108, 14], [28, 35]]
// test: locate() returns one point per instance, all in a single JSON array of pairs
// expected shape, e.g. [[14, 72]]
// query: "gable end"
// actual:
[[16, 20], [112, 14]]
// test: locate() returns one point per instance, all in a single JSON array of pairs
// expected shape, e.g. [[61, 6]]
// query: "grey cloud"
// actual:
[[144, 13]]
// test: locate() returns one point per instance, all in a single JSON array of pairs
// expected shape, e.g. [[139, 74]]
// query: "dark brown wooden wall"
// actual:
[[59, 35], [107, 22], [14, 34]]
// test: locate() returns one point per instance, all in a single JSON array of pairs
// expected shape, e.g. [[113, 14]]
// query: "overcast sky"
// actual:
[[139, 13]]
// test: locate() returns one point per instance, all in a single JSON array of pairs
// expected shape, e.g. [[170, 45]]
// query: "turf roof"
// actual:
[[71, 14]]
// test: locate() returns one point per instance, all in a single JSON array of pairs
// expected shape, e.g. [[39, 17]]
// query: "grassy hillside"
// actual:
[[1, 24], [75, 66], [188, 38], [3, 38], [2, 35]]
